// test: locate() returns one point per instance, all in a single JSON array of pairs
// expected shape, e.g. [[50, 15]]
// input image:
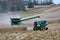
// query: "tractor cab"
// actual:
[[40, 25]]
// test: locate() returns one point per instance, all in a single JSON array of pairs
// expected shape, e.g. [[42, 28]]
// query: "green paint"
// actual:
[[18, 21]]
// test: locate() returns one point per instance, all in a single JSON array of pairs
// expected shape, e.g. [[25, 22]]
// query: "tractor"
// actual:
[[38, 25]]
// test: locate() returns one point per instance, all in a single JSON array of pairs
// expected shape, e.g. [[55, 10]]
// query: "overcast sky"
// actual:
[[56, 1]]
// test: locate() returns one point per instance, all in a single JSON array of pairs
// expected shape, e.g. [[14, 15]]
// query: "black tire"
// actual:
[[46, 29]]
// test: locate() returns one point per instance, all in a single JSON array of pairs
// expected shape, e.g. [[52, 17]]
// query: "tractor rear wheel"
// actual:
[[46, 29]]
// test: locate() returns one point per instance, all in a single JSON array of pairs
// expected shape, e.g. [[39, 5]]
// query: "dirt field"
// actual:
[[16, 34]]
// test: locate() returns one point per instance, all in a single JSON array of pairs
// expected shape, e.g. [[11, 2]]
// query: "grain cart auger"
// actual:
[[18, 21]]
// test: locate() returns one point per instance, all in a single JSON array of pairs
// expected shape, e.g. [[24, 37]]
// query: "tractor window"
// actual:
[[38, 24]]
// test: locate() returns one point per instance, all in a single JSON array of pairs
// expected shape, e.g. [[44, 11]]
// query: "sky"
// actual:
[[56, 1]]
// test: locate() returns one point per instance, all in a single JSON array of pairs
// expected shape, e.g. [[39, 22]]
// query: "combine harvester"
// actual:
[[38, 25]]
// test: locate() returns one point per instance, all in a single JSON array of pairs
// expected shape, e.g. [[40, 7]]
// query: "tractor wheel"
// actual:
[[46, 29], [41, 29]]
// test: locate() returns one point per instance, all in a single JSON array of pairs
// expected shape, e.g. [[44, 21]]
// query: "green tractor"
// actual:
[[38, 25]]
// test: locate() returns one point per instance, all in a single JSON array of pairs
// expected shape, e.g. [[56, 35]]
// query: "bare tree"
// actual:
[[20, 5], [30, 4], [47, 2], [16, 5], [35, 2], [3, 6]]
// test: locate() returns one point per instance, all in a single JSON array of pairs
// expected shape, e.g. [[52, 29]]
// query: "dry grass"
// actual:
[[26, 14], [17, 34], [31, 35]]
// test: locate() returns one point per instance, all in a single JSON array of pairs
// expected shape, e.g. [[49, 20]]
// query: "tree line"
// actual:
[[19, 5]]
